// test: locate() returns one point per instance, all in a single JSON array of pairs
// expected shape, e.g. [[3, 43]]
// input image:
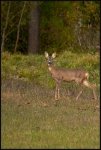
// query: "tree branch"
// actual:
[[5, 27], [18, 31]]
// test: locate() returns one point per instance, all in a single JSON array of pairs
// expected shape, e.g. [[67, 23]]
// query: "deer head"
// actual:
[[50, 58]]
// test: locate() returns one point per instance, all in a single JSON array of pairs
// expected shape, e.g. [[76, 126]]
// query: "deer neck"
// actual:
[[51, 68]]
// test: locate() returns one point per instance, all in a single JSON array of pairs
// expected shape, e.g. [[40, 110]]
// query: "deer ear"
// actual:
[[54, 55], [46, 55]]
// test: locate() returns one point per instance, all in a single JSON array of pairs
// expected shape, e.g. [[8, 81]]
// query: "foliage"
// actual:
[[11, 31], [72, 24], [69, 24]]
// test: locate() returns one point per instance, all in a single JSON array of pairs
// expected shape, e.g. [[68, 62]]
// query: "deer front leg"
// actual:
[[59, 82], [56, 92], [79, 95]]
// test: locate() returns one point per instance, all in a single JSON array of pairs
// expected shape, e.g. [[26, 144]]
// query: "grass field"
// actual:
[[30, 117]]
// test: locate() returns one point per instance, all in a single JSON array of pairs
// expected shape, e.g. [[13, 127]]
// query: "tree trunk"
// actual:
[[33, 41], [5, 27]]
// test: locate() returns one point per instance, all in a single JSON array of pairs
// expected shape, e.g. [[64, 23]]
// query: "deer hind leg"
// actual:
[[77, 81], [91, 86], [79, 95]]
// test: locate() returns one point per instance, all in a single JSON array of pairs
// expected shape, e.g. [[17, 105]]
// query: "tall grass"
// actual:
[[34, 67]]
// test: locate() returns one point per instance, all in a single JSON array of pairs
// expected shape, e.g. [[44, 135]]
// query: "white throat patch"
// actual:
[[49, 68]]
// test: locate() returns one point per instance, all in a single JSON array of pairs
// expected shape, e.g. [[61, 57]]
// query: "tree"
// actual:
[[5, 27], [33, 40], [63, 25], [18, 27]]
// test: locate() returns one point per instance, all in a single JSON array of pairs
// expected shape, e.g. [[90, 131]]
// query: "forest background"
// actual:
[[37, 26]]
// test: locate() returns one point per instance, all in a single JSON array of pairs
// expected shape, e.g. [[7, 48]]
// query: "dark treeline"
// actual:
[[31, 27]]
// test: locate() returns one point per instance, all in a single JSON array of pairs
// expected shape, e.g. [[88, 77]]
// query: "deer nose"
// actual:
[[49, 62]]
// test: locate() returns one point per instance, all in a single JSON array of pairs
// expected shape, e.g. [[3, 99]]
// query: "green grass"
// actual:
[[30, 118], [34, 67]]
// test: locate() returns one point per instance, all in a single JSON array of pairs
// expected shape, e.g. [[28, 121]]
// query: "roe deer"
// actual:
[[61, 74]]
